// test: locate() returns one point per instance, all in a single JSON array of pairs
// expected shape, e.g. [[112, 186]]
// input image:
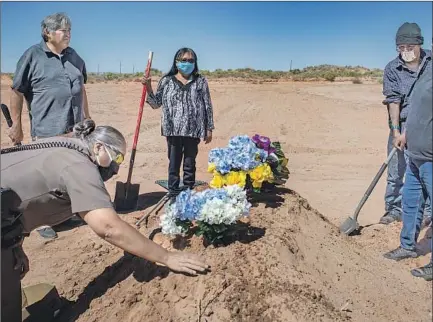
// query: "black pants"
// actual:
[[11, 288], [186, 148]]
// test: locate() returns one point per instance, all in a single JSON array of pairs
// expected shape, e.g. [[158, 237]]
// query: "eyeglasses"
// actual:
[[186, 60], [402, 48]]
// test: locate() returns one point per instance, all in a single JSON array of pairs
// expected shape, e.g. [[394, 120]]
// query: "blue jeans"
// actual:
[[394, 183], [417, 188]]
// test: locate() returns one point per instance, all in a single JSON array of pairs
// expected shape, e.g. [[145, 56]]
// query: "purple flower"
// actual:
[[263, 142]]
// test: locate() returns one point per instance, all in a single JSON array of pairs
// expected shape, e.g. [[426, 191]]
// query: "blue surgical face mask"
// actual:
[[185, 67]]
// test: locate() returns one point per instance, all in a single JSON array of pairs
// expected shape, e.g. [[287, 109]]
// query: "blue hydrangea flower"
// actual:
[[241, 153]]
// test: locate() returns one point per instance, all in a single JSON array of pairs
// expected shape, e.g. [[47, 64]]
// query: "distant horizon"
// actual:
[[225, 35], [232, 69]]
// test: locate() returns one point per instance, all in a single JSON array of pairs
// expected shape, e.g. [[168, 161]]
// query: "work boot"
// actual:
[[389, 217], [47, 232], [425, 272], [400, 253]]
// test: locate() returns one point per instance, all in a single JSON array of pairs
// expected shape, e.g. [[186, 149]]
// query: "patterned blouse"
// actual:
[[186, 109]]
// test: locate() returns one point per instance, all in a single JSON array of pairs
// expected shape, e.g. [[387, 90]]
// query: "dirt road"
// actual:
[[299, 268]]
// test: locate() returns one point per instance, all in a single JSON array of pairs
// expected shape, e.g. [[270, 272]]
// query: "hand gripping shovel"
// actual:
[[7, 115], [126, 196], [351, 223]]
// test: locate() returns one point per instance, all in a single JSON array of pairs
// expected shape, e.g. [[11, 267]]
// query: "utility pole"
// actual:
[[133, 69], [290, 66], [120, 68], [98, 70]]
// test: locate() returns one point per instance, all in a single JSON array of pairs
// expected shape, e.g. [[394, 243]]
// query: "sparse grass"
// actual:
[[328, 73]]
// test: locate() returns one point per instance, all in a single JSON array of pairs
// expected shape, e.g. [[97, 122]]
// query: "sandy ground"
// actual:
[[294, 265]]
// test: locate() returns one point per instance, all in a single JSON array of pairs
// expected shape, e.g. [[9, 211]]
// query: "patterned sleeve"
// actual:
[[208, 106], [391, 88], [155, 100]]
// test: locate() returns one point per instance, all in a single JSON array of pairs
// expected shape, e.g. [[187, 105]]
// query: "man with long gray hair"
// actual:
[[51, 77]]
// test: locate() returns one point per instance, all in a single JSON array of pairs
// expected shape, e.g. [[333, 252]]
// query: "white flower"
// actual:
[[226, 206], [168, 222]]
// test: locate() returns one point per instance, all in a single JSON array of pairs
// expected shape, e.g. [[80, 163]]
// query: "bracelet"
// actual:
[[395, 127]]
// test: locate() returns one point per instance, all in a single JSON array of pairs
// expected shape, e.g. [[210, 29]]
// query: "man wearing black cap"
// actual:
[[399, 77]]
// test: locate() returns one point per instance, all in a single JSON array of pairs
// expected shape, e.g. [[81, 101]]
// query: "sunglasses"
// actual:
[[114, 154], [186, 60]]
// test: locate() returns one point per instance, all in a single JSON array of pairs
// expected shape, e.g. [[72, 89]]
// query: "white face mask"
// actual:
[[408, 56]]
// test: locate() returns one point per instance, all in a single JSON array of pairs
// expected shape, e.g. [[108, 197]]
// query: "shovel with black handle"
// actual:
[[351, 224], [8, 118]]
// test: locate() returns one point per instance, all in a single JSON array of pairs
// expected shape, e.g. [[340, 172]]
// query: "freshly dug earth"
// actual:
[[293, 265], [288, 264]]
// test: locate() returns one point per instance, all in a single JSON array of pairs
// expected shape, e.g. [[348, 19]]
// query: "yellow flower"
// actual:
[[211, 167], [236, 177], [217, 181], [242, 178], [232, 178], [260, 174], [257, 184]]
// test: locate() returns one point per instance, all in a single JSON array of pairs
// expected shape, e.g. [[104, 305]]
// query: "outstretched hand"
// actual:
[[186, 263]]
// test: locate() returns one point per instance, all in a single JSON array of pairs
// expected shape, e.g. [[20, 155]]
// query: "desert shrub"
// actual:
[[311, 73], [330, 77], [110, 76]]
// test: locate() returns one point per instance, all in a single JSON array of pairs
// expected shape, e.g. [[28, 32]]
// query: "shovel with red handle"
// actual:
[[126, 196]]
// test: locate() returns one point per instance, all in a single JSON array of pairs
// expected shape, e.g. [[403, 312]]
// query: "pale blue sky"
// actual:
[[260, 35]]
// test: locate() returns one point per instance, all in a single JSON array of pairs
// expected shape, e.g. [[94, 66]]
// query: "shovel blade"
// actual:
[[349, 226], [126, 199], [40, 302]]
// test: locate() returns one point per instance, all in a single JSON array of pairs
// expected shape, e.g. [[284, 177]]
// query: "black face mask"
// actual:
[[108, 173]]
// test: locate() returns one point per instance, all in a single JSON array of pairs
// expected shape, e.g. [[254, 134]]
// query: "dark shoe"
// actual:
[[400, 253], [389, 217], [74, 221], [425, 272], [47, 233]]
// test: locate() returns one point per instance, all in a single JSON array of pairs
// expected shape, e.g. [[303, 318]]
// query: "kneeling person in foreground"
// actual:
[[47, 182]]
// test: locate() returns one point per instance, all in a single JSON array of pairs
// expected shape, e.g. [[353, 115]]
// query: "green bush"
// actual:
[[319, 72]]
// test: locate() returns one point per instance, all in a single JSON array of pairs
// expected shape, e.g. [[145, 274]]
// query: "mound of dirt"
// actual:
[[290, 264]]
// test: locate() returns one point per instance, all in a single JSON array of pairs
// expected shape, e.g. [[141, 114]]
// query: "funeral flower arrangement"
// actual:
[[212, 211], [245, 164], [248, 160]]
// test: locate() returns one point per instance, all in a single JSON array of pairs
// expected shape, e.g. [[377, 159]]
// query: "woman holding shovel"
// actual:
[[45, 183], [187, 115]]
